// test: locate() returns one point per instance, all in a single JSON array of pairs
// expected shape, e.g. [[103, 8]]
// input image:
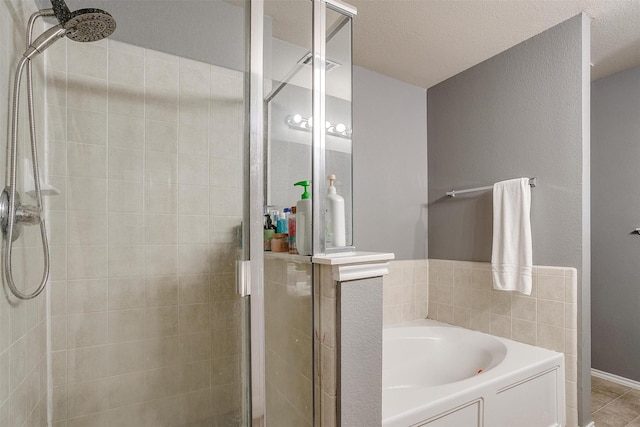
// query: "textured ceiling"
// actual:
[[424, 42]]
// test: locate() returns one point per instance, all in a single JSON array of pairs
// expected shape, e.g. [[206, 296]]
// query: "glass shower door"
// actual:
[[154, 185], [288, 314], [307, 65], [145, 148]]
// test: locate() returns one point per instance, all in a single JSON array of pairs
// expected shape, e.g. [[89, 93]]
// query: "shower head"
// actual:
[[90, 25], [84, 25]]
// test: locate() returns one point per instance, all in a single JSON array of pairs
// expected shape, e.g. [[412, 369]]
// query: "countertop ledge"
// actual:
[[288, 257], [347, 258], [357, 257]]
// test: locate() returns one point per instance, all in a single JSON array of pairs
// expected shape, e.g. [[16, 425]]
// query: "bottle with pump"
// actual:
[[334, 216], [303, 220]]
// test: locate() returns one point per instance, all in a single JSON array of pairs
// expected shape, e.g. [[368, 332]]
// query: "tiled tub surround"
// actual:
[[461, 293], [406, 291], [23, 347], [145, 150]]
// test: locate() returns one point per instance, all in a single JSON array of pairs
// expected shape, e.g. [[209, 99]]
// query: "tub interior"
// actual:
[[435, 355]]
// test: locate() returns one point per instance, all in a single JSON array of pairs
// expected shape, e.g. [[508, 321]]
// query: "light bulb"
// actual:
[[310, 122], [297, 119], [340, 127], [327, 124]]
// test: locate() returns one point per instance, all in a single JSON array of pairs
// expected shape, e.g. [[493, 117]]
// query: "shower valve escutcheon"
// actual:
[[24, 214]]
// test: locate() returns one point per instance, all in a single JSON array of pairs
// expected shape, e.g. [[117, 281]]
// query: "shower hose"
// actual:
[[28, 214]]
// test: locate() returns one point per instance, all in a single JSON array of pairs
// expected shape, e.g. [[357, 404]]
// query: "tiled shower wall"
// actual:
[[23, 363], [461, 293], [288, 340], [144, 149]]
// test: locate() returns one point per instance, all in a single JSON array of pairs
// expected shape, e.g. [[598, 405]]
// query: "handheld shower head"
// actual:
[[84, 25], [45, 40]]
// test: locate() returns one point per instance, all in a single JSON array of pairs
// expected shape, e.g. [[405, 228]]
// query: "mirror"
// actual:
[[288, 106]]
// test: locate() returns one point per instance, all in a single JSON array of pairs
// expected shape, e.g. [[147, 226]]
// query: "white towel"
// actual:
[[511, 253]]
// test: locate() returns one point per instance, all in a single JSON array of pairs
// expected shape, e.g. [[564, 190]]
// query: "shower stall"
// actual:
[[149, 305]]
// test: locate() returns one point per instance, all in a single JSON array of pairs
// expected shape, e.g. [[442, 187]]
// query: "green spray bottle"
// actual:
[[303, 220]]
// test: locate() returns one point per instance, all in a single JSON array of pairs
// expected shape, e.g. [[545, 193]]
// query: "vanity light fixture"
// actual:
[[297, 122]]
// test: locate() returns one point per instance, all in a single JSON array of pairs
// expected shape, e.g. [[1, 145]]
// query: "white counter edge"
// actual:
[[352, 258]]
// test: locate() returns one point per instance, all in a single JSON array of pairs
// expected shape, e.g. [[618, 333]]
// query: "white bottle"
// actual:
[[334, 217], [303, 221]]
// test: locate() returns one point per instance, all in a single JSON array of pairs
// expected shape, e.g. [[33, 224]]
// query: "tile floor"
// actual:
[[614, 405]]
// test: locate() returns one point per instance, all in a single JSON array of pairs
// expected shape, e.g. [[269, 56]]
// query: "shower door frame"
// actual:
[[254, 182], [319, 96], [253, 205]]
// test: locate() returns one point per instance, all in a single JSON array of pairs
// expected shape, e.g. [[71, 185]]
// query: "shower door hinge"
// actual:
[[243, 278]]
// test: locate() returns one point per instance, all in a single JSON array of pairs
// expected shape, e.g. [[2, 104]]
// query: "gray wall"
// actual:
[[524, 112], [207, 31], [615, 204], [516, 114], [389, 165]]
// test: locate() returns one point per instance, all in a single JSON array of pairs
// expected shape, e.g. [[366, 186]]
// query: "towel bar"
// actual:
[[532, 182]]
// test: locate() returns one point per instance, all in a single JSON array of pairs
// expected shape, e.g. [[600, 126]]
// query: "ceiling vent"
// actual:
[[308, 59]]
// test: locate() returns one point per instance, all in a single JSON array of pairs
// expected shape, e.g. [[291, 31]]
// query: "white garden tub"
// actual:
[[440, 375]]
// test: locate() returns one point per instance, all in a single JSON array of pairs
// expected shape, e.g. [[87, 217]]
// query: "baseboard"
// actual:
[[615, 379]]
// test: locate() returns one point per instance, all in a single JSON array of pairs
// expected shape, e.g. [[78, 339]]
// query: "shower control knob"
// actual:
[[28, 214], [4, 214]]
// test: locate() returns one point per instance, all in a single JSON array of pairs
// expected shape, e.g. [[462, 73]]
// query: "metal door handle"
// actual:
[[243, 278]]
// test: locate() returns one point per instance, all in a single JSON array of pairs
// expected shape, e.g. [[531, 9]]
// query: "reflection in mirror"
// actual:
[[338, 153], [289, 107], [288, 81]]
